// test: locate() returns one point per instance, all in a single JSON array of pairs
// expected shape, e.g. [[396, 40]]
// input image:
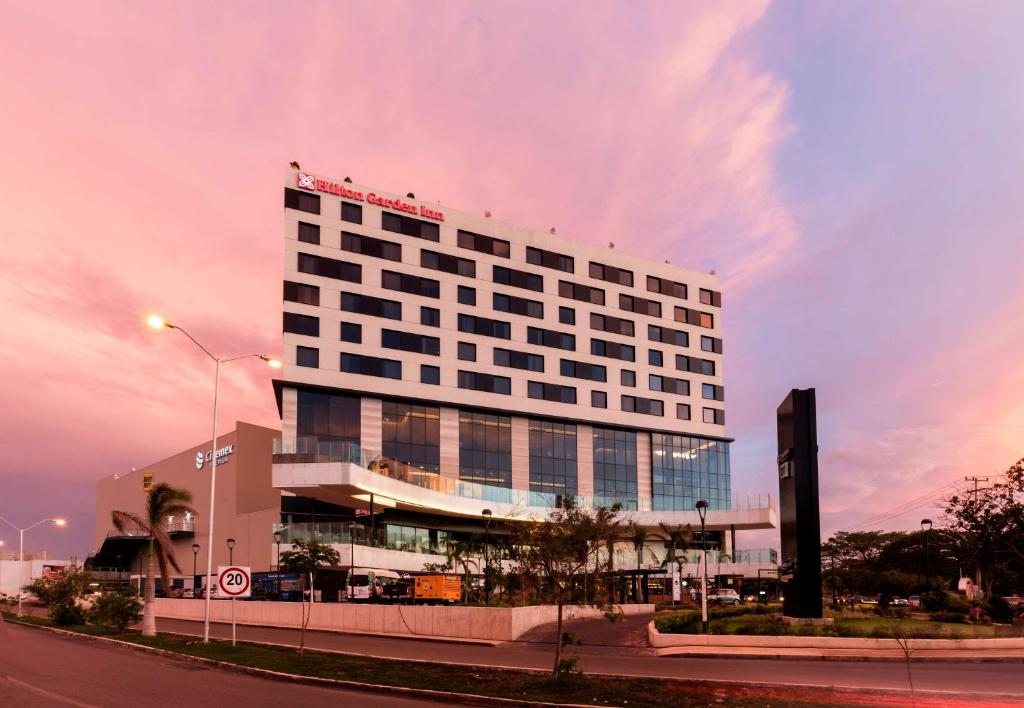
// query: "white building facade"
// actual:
[[438, 364]]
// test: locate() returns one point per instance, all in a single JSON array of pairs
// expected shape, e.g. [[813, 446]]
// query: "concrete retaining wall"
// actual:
[[487, 623], [733, 641]]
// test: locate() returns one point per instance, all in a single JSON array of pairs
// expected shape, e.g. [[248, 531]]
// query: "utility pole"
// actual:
[[975, 480]]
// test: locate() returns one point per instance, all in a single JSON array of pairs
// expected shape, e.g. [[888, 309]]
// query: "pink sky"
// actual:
[[854, 175]]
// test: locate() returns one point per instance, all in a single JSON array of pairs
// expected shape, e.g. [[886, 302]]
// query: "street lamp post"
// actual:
[[832, 569], [21, 551], [231, 551], [195, 557], [277, 540], [231, 562], [352, 559], [926, 526], [157, 322], [487, 555], [702, 510]]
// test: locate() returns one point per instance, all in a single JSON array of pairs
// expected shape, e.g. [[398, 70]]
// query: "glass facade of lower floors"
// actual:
[[687, 469]]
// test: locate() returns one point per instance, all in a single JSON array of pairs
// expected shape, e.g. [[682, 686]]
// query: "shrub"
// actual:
[[67, 614], [955, 603], [117, 609], [935, 600], [1000, 610], [957, 617]]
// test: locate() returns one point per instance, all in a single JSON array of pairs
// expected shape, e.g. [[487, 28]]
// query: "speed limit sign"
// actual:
[[235, 580]]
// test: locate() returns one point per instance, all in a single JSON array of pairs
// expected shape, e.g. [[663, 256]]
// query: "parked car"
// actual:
[[914, 600], [900, 602]]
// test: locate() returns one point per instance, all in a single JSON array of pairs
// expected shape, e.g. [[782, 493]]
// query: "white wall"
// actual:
[[15, 574]]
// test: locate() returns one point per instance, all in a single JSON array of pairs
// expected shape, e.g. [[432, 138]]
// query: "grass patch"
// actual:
[[635, 693], [762, 621]]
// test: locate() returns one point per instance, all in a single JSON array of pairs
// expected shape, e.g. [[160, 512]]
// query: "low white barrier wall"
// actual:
[[731, 641], [488, 623]]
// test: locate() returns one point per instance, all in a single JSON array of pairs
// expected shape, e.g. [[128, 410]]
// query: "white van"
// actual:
[[364, 584]]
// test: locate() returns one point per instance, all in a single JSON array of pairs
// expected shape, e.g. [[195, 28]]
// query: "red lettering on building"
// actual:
[[318, 184]]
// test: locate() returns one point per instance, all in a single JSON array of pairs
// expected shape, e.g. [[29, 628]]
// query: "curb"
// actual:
[[852, 659], [447, 696], [475, 699]]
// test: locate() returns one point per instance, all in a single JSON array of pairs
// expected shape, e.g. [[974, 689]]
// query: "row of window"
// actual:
[[683, 468], [428, 230]]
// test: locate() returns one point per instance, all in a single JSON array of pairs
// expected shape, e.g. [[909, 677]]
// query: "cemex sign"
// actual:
[[800, 569]]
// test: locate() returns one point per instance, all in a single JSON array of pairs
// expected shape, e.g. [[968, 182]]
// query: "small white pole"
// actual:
[[232, 621]]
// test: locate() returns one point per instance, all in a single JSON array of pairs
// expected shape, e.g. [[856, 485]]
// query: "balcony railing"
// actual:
[[183, 526], [626, 558], [311, 449]]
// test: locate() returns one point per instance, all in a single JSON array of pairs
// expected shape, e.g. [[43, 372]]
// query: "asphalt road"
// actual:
[[953, 677], [40, 669]]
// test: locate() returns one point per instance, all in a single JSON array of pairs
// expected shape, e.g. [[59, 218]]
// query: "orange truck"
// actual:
[[433, 589]]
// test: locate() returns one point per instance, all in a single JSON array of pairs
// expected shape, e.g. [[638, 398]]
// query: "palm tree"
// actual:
[[461, 553], [162, 501], [677, 540], [638, 537]]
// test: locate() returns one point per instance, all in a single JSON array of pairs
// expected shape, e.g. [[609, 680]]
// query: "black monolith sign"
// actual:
[[800, 568]]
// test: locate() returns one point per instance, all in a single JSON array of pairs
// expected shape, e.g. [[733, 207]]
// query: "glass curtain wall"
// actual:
[[687, 469], [615, 467], [485, 449], [553, 458], [328, 416], [412, 434]]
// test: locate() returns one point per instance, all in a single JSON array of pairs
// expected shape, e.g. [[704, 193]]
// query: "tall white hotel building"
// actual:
[[438, 363]]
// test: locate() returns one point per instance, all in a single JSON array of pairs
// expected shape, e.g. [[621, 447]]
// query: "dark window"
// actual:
[[430, 374], [615, 325], [518, 360], [518, 305], [710, 297], [307, 356], [584, 293], [351, 212], [430, 316], [351, 332], [447, 263], [669, 384], [411, 434], [714, 416], [549, 259], [489, 383], [467, 296], [666, 287], [484, 244], [550, 338], [683, 411], [412, 284], [330, 268], [647, 406], [612, 350], [303, 201], [640, 305], [485, 448], [369, 305], [309, 233], [300, 292], [615, 467], [566, 315], [712, 392], [553, 459], [695, 365], [301, 324], [583, 370], [369, 246], [627, 378], [655, 358], [396, 223], [484, 326], [667, 335], [550, 392], [598, 399], [467, 351], [327, 416], [518, 279], [611, 274], [695, 317], [711, 344], [409, 342], [371, 366]]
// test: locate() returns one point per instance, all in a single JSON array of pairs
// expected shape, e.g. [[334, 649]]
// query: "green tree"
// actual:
[[61, 594], [117, 608], [557, 551], [162, 501], [637, 535], [678, 540], [307, 558]]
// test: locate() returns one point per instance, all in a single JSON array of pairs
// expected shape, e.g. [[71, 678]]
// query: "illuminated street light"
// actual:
[[21, 550], [702, 510], [157, 322]]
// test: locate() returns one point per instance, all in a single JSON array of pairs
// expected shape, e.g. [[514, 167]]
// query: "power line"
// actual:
[[911, 504]]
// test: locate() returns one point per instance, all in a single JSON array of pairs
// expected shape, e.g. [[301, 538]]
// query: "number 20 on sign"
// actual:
[[234, 581]]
